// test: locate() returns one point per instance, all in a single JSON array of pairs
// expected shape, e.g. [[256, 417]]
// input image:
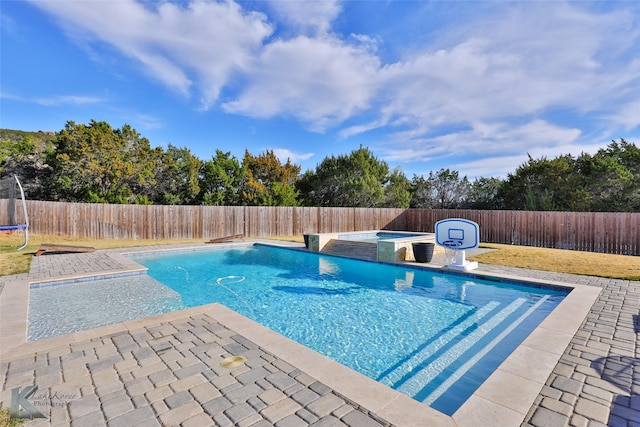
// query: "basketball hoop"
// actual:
[[451, 250], [457, 235]]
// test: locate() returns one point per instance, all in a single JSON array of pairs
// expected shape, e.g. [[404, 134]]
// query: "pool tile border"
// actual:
[[491, 404], [83, 279]]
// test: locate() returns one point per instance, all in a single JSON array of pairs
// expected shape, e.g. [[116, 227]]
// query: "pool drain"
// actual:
[[233, 361]]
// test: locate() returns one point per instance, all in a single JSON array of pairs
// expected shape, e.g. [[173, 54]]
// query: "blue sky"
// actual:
[[467, 85]]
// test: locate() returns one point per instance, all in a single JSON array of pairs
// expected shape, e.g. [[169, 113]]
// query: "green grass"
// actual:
[[562, 261], [556, 260], [7, 421], [13, 261]]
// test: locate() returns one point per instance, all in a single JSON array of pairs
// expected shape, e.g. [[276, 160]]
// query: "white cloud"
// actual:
[[368, 43], [495, 93], [499, 145], [283, 154], [205, 46], [5, 95], [68, 100], [319, 81], [360, 128], [9, 26], [55, 100], [308, 17], [147, 121], [517, 67], [484, 139], [205, 41], [627, 115], [492, 166]]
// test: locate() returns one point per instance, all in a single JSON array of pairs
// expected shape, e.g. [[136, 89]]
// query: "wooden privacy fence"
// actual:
[[604, 232], [615, 233]]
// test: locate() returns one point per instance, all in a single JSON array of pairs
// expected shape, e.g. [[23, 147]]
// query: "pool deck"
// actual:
[[581, 367]]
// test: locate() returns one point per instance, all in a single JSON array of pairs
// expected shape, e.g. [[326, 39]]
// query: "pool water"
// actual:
[[432, 336], [61, 308]]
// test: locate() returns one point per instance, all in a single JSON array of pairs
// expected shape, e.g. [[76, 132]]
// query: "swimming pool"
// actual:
[[403, 327], [432, 336]]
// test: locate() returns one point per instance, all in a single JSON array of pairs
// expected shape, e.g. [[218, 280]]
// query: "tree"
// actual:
[[95, 163], [612, 177], [542, 184], [450, 191], [441, 190], [483, 194], [397, 191], [421, 193], [268, 182], [178, 174], [356, 179], [25, 154], [14, 152], [221, 180]]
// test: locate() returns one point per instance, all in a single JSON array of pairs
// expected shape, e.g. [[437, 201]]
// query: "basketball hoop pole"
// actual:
[[461, 262]]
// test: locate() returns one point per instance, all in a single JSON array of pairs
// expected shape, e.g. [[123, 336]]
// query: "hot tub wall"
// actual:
[[392, 250], [396, 250], [318, 241]]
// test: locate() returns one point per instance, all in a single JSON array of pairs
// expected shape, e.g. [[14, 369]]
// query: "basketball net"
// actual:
[[451, 251]]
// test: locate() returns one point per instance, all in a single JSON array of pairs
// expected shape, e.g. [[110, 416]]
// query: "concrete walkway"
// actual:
[[167, 370]]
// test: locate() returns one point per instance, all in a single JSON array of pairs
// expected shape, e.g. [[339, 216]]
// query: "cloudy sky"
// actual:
[[472, 86]]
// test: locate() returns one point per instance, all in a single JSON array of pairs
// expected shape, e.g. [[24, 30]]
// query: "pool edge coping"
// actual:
[[492, 402]]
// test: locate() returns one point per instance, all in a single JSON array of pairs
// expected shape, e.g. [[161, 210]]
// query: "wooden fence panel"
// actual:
[[365, 219], [309, 220], [606, 232], [335, 220], [284, 221], [394, 219]]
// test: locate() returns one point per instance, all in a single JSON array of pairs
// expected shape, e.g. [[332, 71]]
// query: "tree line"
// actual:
[[95, 163]]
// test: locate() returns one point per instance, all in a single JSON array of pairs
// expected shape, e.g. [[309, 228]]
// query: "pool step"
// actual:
[[480, 354], [352, 249], [419, 380], [413, 378]]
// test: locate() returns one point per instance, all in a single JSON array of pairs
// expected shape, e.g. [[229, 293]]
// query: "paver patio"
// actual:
[[167, 370]]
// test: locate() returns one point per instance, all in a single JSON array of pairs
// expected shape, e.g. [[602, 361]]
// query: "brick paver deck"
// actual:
[[597, 380], [169, 372]]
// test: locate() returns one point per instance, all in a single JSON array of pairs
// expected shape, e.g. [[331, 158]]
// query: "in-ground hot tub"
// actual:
[[392, 246], [376, 236]]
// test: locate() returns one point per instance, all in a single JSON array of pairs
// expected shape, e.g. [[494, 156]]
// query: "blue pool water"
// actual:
[[432, 336], [61, 308]]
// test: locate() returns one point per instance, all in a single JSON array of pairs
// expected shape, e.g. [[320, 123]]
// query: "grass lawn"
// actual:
[[557, 260], [562, 261], [7, 421], [15, 262]]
